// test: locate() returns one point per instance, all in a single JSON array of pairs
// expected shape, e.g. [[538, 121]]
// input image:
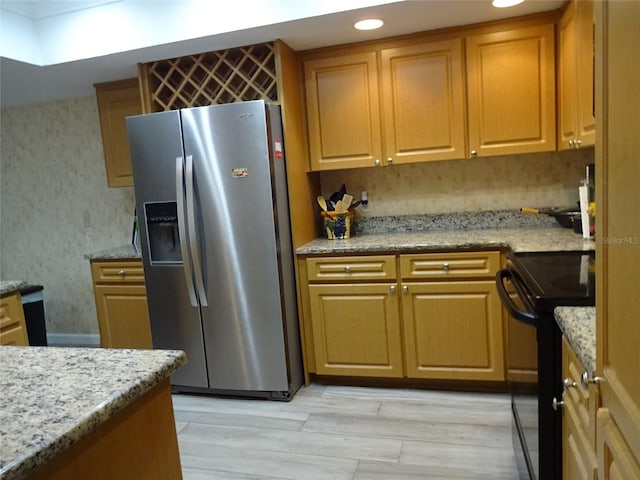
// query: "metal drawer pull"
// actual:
[[405, 289], [347, 269], [445, 266], [556, 404], [568, 383], [121, 273], [585, 380], [392, 289]]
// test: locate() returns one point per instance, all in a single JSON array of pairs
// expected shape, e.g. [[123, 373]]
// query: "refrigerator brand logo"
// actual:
[[246, 115], [239, 172]]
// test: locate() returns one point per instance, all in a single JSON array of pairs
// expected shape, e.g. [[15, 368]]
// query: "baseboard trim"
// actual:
[[73, 339]]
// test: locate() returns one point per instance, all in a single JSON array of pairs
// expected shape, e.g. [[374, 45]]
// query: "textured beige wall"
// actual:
[[499, 183], [56, 206]]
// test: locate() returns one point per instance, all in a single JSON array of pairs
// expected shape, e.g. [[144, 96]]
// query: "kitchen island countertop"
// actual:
[[578, 324], [518, 240], [50, 397]]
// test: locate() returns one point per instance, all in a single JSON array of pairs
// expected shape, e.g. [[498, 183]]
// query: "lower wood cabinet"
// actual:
[[578, 420], [121, 304], [13, 330], [420, 316]]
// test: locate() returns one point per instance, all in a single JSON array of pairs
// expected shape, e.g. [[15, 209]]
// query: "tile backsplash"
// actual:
[[56, 206], [468, 185]]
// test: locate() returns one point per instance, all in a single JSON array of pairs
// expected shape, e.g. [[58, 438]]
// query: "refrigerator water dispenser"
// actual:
[[162, 232]]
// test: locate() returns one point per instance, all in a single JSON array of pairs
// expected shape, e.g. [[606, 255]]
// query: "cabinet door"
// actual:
[[511, 91], [576, 120], [13, 330], [423, 102], [586, 126], [578, 420], [356, 330], [343, 111], [123, 317], [116, 101], [453, 330], [618, 254], [567, 79]]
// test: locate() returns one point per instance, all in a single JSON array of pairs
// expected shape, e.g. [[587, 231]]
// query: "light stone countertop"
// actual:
[[518, 240], [9, 286], [50, 397], [123, 252], [578, 324]]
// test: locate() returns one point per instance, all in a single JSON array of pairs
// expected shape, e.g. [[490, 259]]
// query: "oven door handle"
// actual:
[[529, 317]]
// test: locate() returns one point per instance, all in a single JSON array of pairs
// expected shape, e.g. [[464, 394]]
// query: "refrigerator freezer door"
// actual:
[[243, 322], [155, 142]]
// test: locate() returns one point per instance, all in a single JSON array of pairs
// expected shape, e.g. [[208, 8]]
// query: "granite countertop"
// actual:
[[516, 239], [578, 324], [9, 286], [52, 396], [124, 252]]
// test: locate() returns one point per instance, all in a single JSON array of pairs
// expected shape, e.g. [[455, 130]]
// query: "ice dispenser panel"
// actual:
[[162, 232]]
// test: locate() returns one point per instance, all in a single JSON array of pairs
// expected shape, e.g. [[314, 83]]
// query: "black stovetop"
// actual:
[[557, 278]]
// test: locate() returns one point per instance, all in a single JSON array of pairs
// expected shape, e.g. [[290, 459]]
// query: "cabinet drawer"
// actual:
[[118, 272], [323, 269], [449, 265]]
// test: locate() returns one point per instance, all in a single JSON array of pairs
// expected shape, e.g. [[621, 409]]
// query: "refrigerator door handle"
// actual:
[[193, 232], [186, 258]]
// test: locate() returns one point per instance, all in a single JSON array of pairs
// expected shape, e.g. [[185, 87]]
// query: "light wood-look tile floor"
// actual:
[[347, 433]]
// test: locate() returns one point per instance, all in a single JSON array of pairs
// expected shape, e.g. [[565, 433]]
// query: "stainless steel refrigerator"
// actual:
[[211, 198]]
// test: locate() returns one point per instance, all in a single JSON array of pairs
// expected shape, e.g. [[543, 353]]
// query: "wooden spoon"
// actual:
[[346, 201], [322, 202]]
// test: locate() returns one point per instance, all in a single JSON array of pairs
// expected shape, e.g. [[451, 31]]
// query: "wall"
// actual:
[[498, 183], [55, 206]]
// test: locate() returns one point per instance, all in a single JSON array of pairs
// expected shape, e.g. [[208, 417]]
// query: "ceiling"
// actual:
[[54, 70]]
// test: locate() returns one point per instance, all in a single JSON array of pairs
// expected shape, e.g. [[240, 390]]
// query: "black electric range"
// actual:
[[530, 287]]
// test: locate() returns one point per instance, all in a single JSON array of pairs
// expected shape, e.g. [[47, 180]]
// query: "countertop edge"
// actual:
[[578, 325], [22, 466]]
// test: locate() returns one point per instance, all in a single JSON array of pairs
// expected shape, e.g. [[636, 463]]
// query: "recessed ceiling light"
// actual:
[[505, 3], [368, 24]]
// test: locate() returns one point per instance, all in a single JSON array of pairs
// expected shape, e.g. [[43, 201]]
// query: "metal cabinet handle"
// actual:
[[585, 380], [445, 266], [572, 143], [347, 269], [377, 162], [577, 143], [389, 160], [121, 273], [568, 383], [556, 404], [392, 289], [474, 153], [405, 289]]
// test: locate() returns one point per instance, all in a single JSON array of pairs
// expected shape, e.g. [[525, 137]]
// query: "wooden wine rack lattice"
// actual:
[[226, 76]]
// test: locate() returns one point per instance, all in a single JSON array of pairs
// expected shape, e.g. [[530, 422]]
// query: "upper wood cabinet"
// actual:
[[384, 106], [116, 101], [407, 100], [576, 119], [423, 102], [343, 111], [511, 91]]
